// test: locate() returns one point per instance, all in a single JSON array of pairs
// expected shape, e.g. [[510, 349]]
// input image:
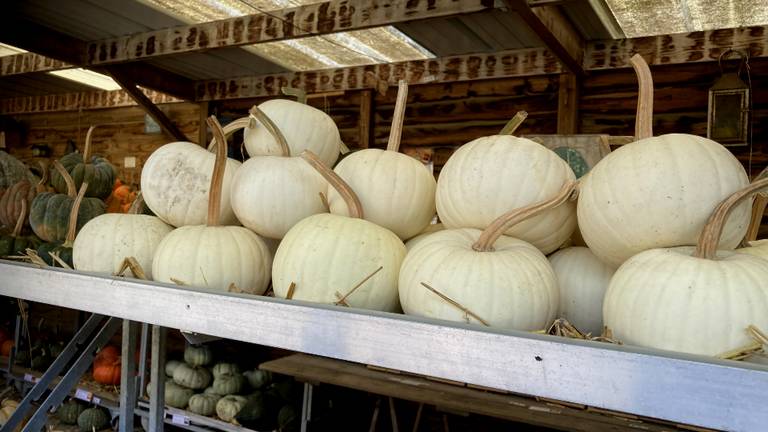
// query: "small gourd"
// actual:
[[93, 419], [203, 404], [228, 406], [95, 170], [225, 369], [198, 355], [177, 396], [191, 377], [228, 384], [69, 411], [171, 366]]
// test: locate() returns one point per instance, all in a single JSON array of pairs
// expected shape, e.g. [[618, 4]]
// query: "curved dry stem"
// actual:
[[272, 129], [396, 131], [229, 129], [71, 188], [20, 221], [299, 94], [644, 116], [73, 212], [514, 217], [758, 210], [137, 204], [46, 175], [346, 192], [709, 238], [217, 178], [87, 148], [514, 123]]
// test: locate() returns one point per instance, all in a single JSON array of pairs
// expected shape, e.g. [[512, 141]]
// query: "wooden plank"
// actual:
[[203, 135], [76, 101], [128, 83], [568, 105], [525, 62], [315, 19], [695, 47], [556, 31], [451, 397], [365, 121], [29, 63]]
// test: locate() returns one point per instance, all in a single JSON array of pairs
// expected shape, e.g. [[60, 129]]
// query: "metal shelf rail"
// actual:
[[681, 388]]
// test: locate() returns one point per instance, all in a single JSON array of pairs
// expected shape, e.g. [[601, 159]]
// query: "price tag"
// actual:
[[96, 400], [179, 419], [83, 395], [30, 378]]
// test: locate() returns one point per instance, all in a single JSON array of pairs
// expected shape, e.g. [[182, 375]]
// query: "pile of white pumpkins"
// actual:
[[361, 236]]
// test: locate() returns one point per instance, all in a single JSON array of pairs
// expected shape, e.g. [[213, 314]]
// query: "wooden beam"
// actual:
[[366, 118], [703, 46], [568, 105], [202, 131], [128, 84], [76, 101], [525, 62], [556, 31], [25, 63], [308, 20], [154, 78]]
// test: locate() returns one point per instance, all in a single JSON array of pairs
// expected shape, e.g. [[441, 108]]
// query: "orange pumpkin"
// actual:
[[109, 352], [107, 372], [5, 348], [120, 199]]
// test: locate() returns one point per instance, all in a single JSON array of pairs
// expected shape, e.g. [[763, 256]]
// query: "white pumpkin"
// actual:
[[106, 241], [176, 182], [694, 300], [211, 256], [270, 194], [329, 257], [474, 276], [432, 228], [396, 190], [491, 175], [305, 128], [583, 280], [757, 248], [658, 192]]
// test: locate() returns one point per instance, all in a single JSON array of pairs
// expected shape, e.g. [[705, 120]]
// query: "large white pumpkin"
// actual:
[[469, 275], [694, 300], [491, 175], [658, 192], [176, 182], [222, 258], [583, 280], [106, 241], [270, 194], [396, 191], [326, 256], [757, 248]]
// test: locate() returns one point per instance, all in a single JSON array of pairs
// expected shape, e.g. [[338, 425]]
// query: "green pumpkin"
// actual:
[[49, 218], [288, 419], [258, 378], [69, 411], [228, 407], [13, 171], [254, 410], [97, 171], [225, 369], [14, 243], [55, 349], [203, 404], [177, 396], [191, 377], [228, 384], [93, 418], [171, 366], [198, 355]]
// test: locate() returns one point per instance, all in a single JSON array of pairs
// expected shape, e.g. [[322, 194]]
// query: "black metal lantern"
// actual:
[[729, 105]]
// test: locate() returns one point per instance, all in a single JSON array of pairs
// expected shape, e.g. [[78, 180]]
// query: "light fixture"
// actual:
[[729, 105], [89, 78]]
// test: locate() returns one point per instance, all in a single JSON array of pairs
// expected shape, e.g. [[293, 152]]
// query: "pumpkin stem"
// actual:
[[514, 217], [73, 212], [217, 178], [137, 204], [87, 148], [229, 129], [709, 238], [644, 116], [299, 94], [514, 123], [758, 209], [71, 188], [354, 206], [396, 131], [45, 175], [20, 221], [272, 129]]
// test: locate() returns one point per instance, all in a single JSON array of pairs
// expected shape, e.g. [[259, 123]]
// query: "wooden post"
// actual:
[[202, 130], [568, 105], [366, 116]]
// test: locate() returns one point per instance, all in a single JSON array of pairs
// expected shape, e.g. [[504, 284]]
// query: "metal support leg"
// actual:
[[157, 375], [72, 377], [128, 375], [72, 349], [306, 407], [143, 348]]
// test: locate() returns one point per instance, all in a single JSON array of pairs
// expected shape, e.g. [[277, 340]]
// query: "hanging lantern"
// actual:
[[729, 105]]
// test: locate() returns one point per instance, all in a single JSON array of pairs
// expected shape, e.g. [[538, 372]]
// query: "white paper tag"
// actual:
[[96, 400], [83, 395], [179, 419], [30, 378]]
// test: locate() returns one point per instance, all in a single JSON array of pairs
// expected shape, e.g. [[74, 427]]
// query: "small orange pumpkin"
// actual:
[[5, 348], [107, 372], [120, 199]]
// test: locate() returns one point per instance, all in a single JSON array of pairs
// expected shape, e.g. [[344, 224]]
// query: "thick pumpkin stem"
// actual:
[[644, 116], [229, 129], [137, 204], [758, 210], [709, 238], [514, 217], [20, 221], [514, 123], [73, 212], [45, 176], [396, 131], [87, 148], [71, 188], [217, 178], [354, 206], [299, 94], [272, 129]]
